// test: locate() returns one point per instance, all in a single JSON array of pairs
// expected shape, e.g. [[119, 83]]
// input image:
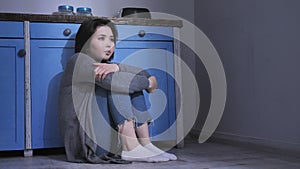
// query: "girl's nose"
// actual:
[[108, 43]]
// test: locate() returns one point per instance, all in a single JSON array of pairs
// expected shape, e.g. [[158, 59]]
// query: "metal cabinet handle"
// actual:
[[22, 52], [67, 32], [142, 33]]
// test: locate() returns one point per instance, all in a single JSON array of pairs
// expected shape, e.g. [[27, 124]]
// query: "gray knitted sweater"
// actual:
[[81, 123]]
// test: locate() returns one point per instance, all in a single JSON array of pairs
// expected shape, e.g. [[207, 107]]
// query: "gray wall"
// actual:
[[259, 44]]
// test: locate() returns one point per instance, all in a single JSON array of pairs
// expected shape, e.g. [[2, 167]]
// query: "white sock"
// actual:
[[142, 154], [156, 150]]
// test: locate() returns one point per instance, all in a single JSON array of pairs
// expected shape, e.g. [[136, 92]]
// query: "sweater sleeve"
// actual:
[[133, 69], [122, 81]]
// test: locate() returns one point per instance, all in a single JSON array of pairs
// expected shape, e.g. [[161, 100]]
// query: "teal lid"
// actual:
[[65, 8], [84, 10]]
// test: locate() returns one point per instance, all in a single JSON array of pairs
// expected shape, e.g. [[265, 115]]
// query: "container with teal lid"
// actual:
[[84, 11], [64, 10]]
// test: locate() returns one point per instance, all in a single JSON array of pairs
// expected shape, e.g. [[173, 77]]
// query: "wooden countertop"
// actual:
[[80, 19]]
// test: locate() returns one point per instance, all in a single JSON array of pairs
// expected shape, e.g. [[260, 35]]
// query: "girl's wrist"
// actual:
[[117, 68], [150, 84]]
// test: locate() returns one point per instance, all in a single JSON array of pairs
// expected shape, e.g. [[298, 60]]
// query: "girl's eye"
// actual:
[[101, 38], [112, 39]]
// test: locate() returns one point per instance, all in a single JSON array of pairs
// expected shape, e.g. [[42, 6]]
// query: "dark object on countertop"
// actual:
[[131, 12]]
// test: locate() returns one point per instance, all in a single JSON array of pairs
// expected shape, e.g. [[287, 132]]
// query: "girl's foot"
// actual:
[[158, 151], [142, 154]]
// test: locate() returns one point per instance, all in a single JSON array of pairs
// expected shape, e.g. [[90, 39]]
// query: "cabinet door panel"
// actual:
[[11, 29], [133, 32], [11, 95], [53, 30], [48, 58], [157, 58]]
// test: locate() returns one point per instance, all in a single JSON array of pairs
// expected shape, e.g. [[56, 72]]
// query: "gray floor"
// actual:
[[208, 155]]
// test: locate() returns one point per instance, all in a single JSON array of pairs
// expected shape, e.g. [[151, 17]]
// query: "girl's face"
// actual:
[[102, 44]]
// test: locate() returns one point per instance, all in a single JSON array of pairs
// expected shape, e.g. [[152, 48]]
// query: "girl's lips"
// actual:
[[107, 52]]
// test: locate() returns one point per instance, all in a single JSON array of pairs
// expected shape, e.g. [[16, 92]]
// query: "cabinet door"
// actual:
[[48, 59], [11, 95], [157, 58]]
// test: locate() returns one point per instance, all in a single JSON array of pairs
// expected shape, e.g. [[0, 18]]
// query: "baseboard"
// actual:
[[274, 146]]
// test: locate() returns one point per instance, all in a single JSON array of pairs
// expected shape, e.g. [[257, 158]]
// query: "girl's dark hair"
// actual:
[[88, 28]]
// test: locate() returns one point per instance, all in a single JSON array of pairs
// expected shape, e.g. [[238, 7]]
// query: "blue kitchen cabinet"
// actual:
[[51, 46], [11, 86], [151, 48]]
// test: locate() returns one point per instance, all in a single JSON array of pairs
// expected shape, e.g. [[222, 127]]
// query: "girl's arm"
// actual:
[[133, 69], [123, 82], [102, 69]]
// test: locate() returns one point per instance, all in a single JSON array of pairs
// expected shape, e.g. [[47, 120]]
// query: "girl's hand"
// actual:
[[152, 84], [103, 69]]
